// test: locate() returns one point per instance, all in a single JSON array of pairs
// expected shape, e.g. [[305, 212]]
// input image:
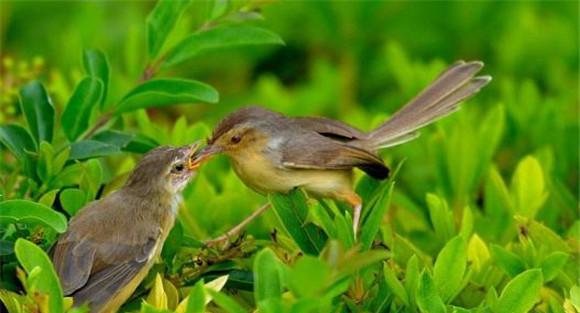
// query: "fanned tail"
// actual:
[[439, 99]]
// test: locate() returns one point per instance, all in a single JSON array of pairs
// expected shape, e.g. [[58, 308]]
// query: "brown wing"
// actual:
[[95, 259], [330, 128], [313, 151]]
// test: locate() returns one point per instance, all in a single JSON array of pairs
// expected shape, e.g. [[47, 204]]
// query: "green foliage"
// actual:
[[160, 92], [42, 277], [482, 216]]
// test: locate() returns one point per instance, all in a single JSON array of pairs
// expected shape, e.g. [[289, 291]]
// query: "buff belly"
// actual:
[[262, 176]]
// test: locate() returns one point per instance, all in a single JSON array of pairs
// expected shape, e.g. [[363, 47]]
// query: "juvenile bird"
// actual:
[[273, 153], [111, 244]]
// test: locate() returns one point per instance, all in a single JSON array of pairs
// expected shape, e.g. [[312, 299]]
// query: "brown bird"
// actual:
[[111, 244], [273, 153]]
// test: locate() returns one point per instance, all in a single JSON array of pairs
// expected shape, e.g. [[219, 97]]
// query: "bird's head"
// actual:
[[165, 169], [247, 130]]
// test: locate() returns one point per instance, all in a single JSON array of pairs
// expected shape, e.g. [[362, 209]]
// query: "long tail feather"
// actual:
[[439, 99]]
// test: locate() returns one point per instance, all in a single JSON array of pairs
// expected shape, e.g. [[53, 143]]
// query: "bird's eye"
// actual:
[[177, 168], [236, 139]]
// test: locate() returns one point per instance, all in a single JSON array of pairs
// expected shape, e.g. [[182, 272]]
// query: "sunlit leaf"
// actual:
[[477, 252], [528, 187], [157, 297]]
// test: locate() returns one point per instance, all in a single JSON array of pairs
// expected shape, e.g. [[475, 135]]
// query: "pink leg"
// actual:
[[356, 219]]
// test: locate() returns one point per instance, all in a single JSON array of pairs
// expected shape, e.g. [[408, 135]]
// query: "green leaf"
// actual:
[[173, 242], [466, 223], [87, 149], [196, 299], [521, 293], [497, 204], [353, 264], [21, 144], [161, 21], [44, 168], [292, 211], [441, 217], [76, 115], [450, 267], [372, 223], [508, 261], [48, 198], [308, 277], [72, 200], [167, 91], [427, 298], [114, 137], [24, 211], [528, 187], [395, 284], [220, 7], [96, 65], [575, 297], [225, 302], [542, 235], [219, 38], [267, 276], [141, 144], [31, 257], [412, 278], [38, 110], [552, 264]]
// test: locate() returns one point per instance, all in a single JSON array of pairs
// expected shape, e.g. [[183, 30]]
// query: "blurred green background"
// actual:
[[357, 61]]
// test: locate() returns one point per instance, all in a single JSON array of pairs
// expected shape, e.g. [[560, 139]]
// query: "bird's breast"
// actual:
[[264, 173]]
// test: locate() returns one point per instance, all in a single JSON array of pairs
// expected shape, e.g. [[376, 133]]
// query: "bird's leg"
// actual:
[[238, 228], [356, 202]]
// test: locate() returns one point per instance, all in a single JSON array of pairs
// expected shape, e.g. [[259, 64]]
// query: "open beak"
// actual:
[[193, 149], [202, 155]]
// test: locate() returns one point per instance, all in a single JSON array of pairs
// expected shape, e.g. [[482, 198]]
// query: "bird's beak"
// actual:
[[203, 155]]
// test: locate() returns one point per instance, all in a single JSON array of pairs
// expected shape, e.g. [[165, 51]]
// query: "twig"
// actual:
[[100, 123]]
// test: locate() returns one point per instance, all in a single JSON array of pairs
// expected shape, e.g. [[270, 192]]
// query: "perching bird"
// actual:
[[273, 153], [111, 244]]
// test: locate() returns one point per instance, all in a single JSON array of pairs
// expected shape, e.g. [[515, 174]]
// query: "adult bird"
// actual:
[[111, 244], [273, 153]]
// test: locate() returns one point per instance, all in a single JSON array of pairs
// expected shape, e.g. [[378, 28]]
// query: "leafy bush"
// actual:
[[480, 217]]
